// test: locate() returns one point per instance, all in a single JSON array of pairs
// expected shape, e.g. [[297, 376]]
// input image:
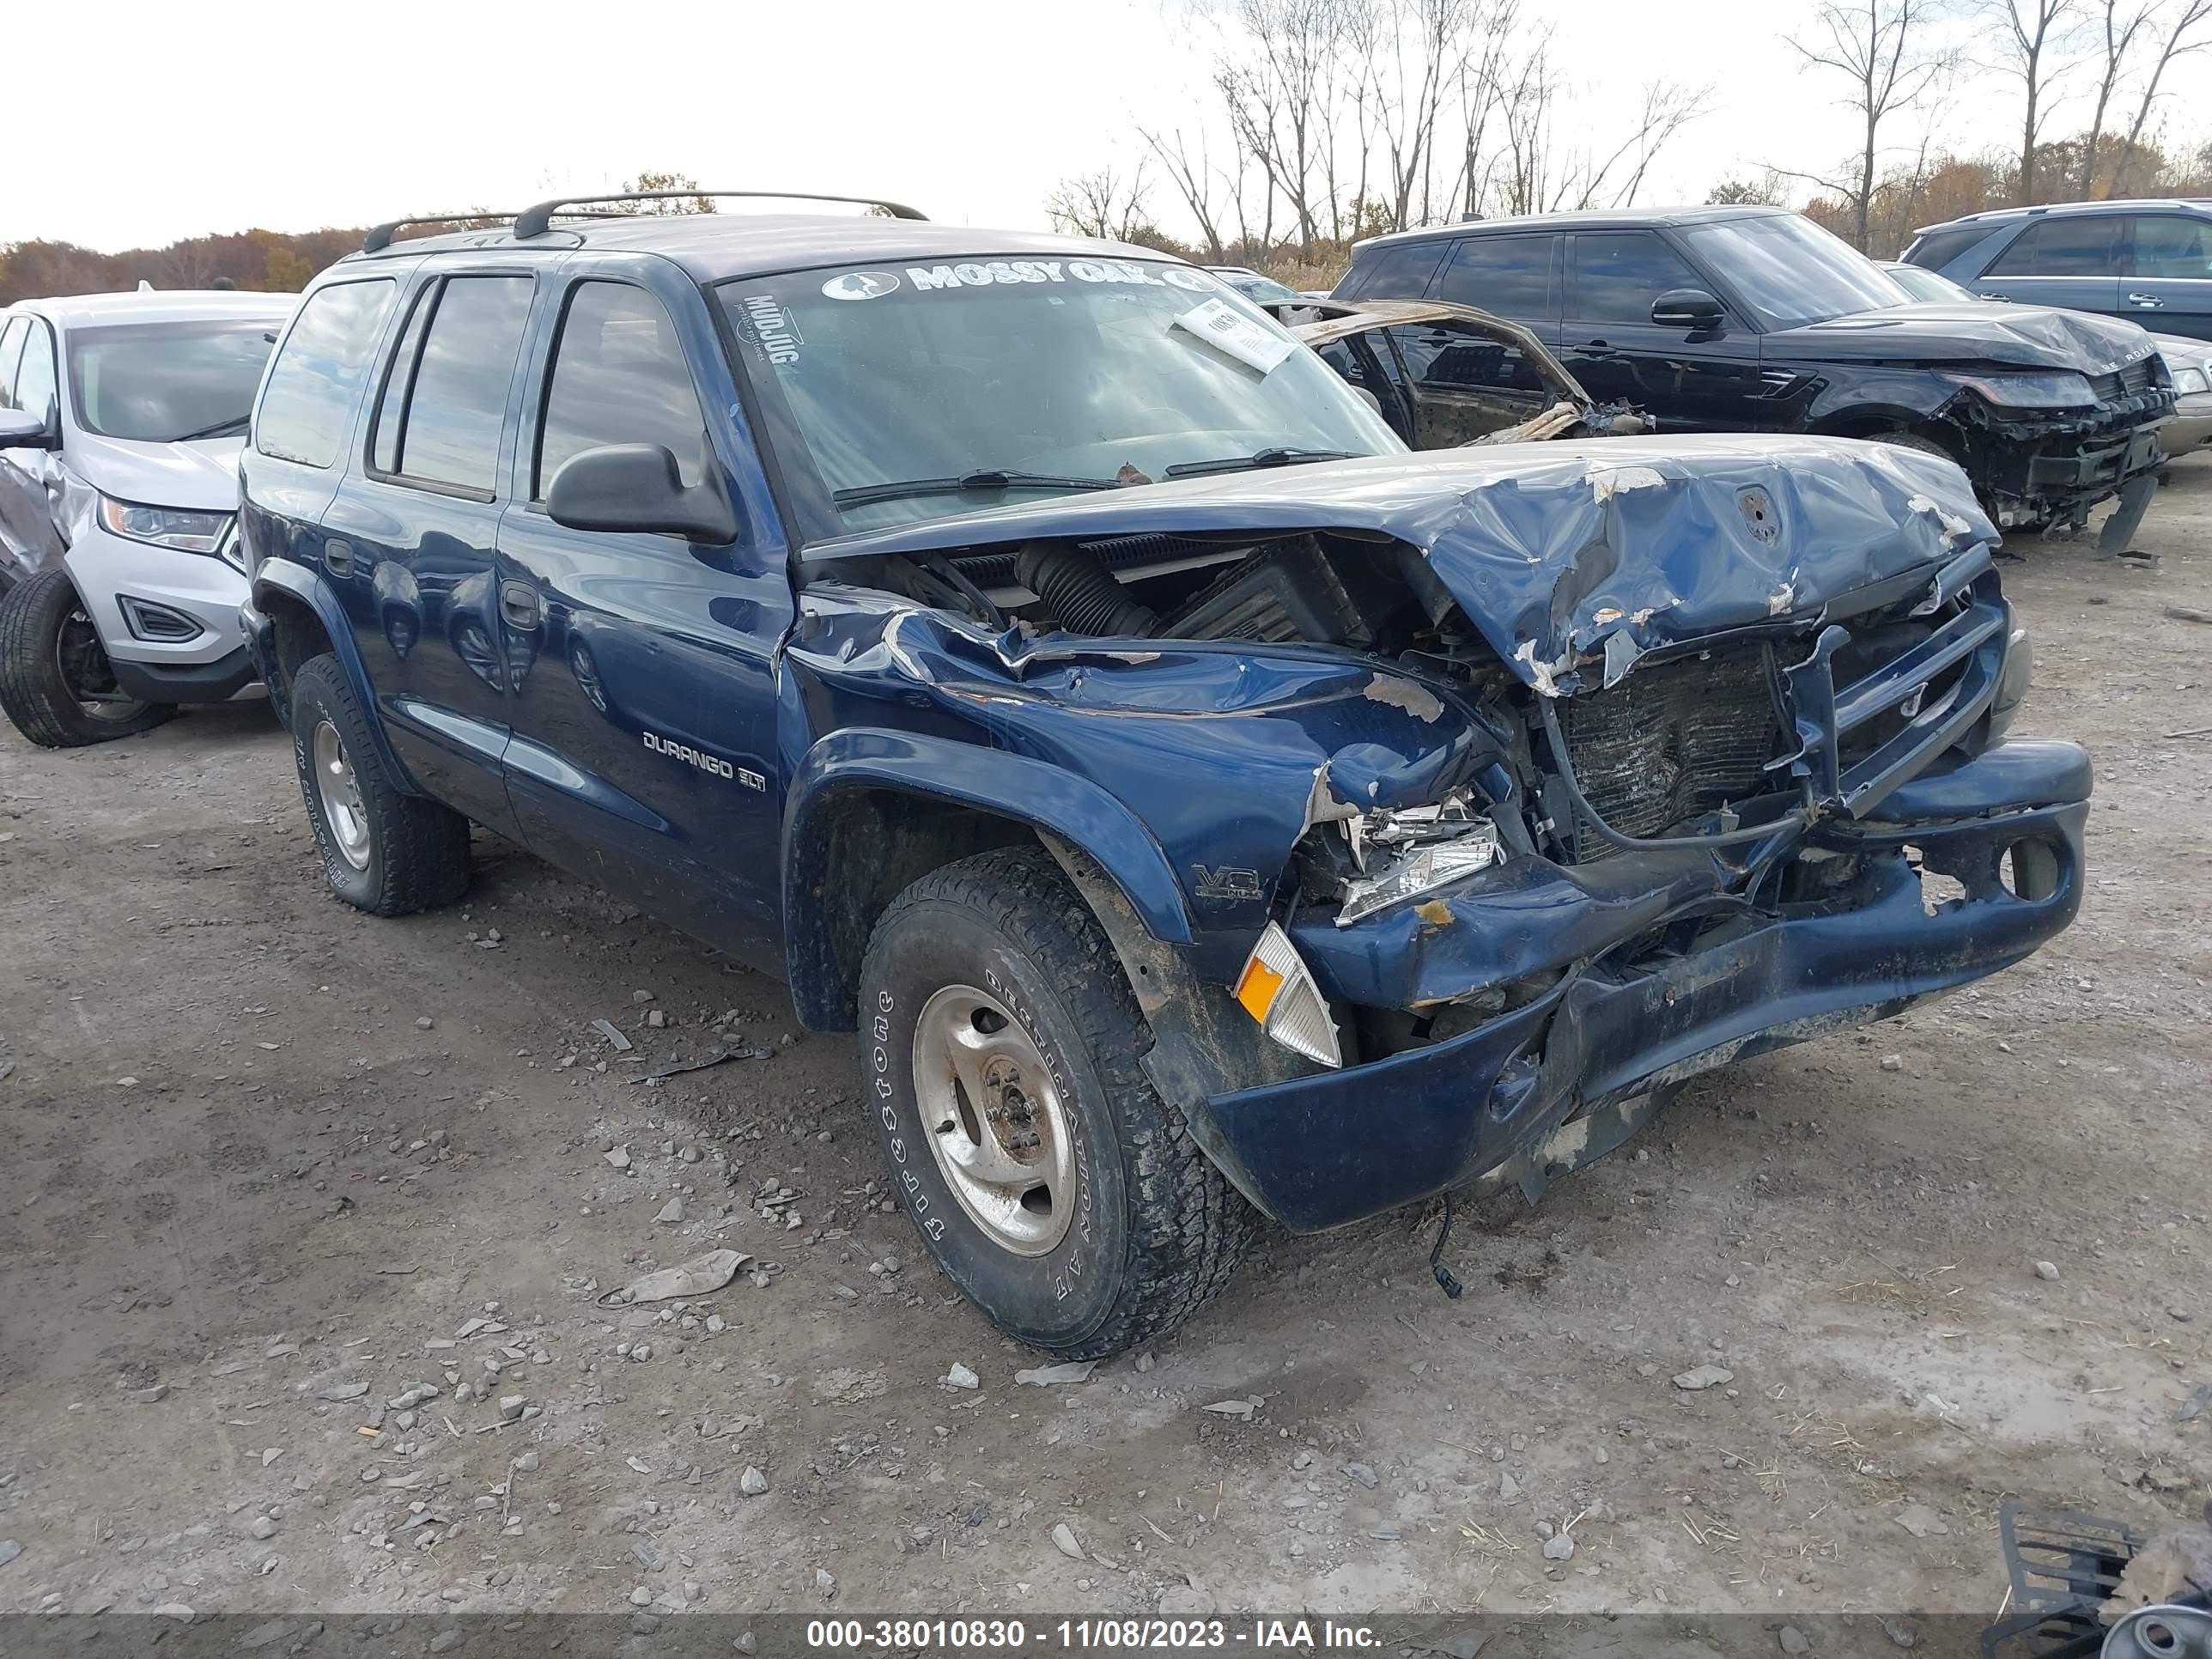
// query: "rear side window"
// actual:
[[1618, 275], [308, 402], [1401, 271], [2070, 246], [1939, 247], [618, 377], [1509, 275], [2168, 245], [453, 404], [36, 382]]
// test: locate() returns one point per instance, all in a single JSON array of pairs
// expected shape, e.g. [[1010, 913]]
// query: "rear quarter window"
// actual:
[[307, 405], [1939, 247], [1402, 271]]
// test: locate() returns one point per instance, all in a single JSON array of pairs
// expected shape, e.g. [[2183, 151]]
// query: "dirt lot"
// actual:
[[261, 1150]]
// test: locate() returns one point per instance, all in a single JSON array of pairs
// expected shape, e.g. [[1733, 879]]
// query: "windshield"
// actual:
[[924, 391], [1788, 271], [161, 382], [1927, 286]]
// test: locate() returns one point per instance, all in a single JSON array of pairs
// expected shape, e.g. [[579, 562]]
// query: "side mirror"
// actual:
[[636, 487], [20, 430], [1686, 307]]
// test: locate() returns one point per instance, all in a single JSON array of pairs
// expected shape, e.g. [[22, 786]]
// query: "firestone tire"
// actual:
[[384, 851], [43, 625], [1000, 1045]]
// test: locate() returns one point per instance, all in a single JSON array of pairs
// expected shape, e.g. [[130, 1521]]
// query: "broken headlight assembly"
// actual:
[[1403, 854], [2060, 389]]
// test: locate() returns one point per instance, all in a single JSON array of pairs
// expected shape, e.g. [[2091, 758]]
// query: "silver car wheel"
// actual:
[[993, 1116]]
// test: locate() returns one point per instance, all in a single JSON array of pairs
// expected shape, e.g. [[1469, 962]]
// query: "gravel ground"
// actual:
[[272, 1167]]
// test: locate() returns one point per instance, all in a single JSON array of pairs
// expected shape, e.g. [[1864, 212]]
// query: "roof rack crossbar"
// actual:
[[534, 221], [380, 237]]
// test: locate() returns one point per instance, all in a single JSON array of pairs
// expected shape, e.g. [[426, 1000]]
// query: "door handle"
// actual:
[[1599, 348], [519, 606], [2147, 301], [337, 558]]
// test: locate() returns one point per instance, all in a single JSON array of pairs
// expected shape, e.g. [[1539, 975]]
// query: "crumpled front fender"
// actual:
[[1188, 770]]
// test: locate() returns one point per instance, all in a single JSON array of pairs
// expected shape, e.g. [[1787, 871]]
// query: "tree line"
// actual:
[[262, 261], [1334, 120]]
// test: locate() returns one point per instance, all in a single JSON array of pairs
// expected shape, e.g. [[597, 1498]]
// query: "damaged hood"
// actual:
[[200, 477], [1968, 332], [1554, 552]]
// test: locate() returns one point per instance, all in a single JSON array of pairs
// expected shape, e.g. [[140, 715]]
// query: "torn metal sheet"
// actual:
[[1538, 544]]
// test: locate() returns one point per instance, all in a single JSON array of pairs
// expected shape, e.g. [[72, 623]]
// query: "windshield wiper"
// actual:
[[987, 478], [1258, 457], [229, 429]]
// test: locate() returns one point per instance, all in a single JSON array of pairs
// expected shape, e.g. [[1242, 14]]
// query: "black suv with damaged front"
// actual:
[[1755, 319], [1201, 807]]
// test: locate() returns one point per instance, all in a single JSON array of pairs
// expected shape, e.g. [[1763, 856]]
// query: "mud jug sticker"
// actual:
[[772, 327]]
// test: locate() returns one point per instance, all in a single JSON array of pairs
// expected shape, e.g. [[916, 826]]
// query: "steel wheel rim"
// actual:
[[339, 791], [994, 1120], [83, 663]]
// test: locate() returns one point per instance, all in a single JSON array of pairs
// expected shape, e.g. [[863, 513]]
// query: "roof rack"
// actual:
[[535, 222], [380, 237]]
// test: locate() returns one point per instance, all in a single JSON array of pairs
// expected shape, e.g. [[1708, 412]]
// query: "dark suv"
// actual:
[[2149, 262], [1198, 804], [1754, 320]]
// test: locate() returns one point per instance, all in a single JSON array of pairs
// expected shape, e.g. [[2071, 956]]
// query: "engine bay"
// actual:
[[1373, 596]]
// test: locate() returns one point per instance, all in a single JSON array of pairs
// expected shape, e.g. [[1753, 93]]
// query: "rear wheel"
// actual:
[[386, 851], [1000, 1042], [56, 682]]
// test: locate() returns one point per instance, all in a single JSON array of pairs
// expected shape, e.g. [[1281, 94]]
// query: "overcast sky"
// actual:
[[296, 116]]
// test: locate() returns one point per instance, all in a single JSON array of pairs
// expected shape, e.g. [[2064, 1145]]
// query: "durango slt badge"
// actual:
[[690, 757]]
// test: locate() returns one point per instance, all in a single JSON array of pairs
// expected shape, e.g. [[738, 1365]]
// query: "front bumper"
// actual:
[[2054, 471], [1632, 1015], [2190, 429], [199, 588]]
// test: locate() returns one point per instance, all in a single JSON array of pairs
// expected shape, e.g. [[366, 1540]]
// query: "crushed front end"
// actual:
[[1734, 847], [2045, 450], [1506, 790]]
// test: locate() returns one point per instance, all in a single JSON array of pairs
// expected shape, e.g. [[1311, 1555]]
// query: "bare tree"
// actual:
[[1103, 204], [2033, 36], [1877, 46], [1417, 53], [2190, 17], [2122, 24], [1195, 179], [1281, 90]]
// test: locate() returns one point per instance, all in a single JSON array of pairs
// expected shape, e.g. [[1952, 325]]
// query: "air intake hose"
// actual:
[[1081, 591]]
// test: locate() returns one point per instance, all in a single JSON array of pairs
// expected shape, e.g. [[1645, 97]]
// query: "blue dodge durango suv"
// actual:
[[1200, 806]]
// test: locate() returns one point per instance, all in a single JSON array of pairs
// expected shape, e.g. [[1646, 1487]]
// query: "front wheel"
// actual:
[[386, 851], [56, 682], [999, 1043]]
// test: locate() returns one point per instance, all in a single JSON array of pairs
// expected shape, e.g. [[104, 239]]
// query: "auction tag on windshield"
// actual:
[[1221, 325]]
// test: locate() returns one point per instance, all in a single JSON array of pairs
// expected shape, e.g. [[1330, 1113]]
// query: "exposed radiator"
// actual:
[[1671, 743]]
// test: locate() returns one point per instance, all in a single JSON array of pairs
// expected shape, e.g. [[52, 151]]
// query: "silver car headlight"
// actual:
[[186, 530], [2189, 381], [1405, 852]]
